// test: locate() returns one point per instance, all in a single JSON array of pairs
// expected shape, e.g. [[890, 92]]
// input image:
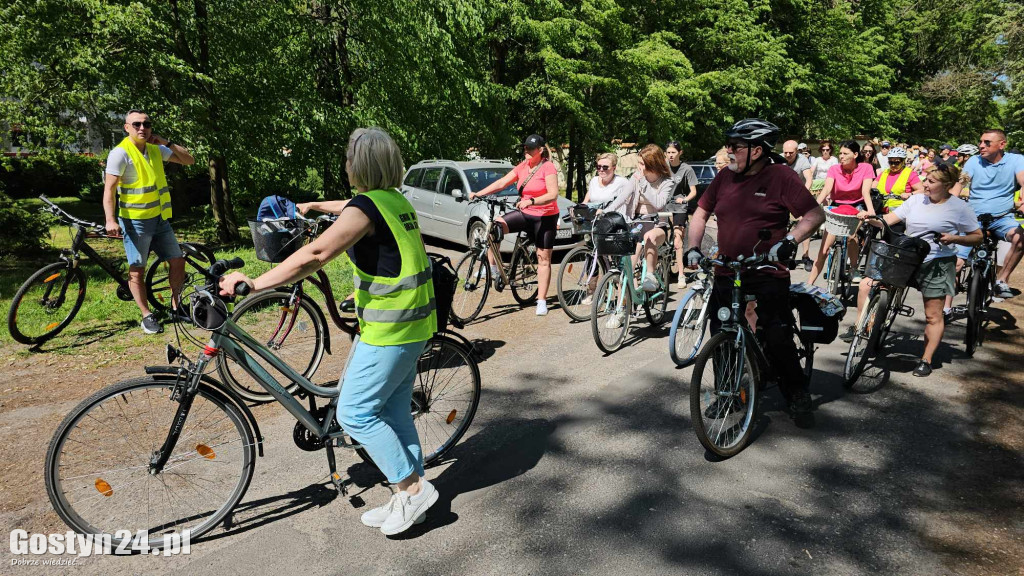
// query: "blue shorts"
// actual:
[[142, 235], [1000, 228]]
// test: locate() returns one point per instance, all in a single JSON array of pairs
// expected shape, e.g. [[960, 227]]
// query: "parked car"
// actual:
[[705, 172], [434, 188]]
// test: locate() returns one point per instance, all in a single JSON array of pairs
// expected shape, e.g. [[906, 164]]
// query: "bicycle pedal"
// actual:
[[906, 311], [340, 483]]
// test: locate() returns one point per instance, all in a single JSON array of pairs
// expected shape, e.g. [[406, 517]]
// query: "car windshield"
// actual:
[[480, 178]]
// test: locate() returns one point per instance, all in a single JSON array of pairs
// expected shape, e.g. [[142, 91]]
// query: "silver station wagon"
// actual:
[[433, 187]]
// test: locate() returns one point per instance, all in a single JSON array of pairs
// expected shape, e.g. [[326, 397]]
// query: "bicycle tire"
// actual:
[[439, 435], [121, 474], [158, 287], [689, 325], [894, 304], [860, 347], [580, 268], [465, 306], [976, 294], [47, 318], [834, 270], [606, 306], [523, 274], [656, 308], [294, 333], [709, 401]]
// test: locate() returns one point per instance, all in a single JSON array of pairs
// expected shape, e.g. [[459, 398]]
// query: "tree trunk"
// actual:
[[581, 175], [220, 199], [570, 165]]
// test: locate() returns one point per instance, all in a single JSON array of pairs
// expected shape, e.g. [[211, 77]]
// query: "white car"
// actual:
[[435, 188]]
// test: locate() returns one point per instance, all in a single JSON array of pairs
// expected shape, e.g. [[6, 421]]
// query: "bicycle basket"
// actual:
[[615, 243], [276, 240], [582, 218], [893, 264], [841, 225]]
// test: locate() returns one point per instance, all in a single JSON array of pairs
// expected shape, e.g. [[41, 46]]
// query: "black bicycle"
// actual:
[[51, 297], [978, 279]]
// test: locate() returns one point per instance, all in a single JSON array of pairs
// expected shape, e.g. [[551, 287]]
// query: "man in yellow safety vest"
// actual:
[[137, 201]]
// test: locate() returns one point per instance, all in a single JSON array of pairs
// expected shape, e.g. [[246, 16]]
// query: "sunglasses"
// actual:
[[603, 167], [988, 142], [146, 124], [736, 145], [826, 149]]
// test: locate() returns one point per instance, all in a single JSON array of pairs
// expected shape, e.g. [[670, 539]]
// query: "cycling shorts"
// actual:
[[540, 229]]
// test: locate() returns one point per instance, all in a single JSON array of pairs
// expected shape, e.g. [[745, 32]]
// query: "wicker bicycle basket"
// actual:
[[841, 225], [276, 240], [892, 264]]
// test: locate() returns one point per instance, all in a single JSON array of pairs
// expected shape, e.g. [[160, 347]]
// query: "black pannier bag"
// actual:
[[445, 281], [814, 324]]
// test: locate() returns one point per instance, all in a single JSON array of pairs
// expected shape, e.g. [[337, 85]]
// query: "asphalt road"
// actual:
[[579, 462]]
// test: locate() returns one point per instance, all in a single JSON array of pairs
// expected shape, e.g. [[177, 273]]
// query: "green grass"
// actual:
[[105, 323]]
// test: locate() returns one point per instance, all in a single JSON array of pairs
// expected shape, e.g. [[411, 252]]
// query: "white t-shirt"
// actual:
[[119, 164], [620, 188], [883, 162], [953, 216], [819, 167]]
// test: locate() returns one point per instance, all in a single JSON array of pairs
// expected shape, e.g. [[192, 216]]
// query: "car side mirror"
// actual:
[[458, 195]]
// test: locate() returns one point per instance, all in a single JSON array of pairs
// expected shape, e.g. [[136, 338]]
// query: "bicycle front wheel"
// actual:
[[723, 395], [577, 281], [976, 295], [293, 328], [523, 274], [46, 303], [445, 396], [98, 473], [656, 304], [198, 259], [474, 282], [688, 327], [611, 313], [834, 270], [865, 337]]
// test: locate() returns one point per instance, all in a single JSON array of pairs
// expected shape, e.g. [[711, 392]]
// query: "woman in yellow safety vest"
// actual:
[[898, 181], [394, 298]]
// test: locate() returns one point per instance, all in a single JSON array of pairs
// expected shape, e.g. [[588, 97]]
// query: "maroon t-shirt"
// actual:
[[744, 205]]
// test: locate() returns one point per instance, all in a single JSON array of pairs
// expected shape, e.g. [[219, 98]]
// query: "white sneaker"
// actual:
[[542, 308], [407, 508], [588, 300], [375, 518], [650, 284], [614, 321]]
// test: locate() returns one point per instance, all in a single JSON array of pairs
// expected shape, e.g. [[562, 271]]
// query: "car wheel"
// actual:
[[477, 229]]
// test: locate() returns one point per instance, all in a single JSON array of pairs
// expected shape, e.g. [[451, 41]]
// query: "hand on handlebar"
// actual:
[[304, 207], [229, 282], [947, 239], [693, 258]]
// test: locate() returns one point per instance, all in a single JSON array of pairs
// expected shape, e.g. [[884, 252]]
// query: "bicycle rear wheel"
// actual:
[[612, 312], [295, 330], [46, 303], [97, 466], [723, 395], [656, 305], [977, 293], [688, 327], [865, 337], [198, 259], [577, 281], [895, 303], [474, 274], [523, 274]]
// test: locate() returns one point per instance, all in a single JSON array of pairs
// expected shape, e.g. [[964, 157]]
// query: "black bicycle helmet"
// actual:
[[755, 131]]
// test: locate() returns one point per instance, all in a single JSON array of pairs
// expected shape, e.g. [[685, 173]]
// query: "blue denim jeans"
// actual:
[[375, 406], [141, 236]]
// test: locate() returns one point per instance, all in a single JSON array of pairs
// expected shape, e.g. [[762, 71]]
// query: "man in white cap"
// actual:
[[883, 156], [803, 150]]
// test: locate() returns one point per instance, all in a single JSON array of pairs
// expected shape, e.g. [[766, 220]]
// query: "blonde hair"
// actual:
[[945, 173], [608, 156], [373, 160], [722, 157]]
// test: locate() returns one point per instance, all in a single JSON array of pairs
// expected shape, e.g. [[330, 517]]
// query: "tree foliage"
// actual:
[[266, 93]]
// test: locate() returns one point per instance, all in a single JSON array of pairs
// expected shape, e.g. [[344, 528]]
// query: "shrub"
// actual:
[[54, 173], [20, 230]]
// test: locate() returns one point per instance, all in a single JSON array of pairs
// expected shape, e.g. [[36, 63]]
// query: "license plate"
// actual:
[[563, 234]]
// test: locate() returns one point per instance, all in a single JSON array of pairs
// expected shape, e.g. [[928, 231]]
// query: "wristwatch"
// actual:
[[533, 201], [791, 238]]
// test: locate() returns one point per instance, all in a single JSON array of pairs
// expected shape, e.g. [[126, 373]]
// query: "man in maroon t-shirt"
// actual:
[[755, 194]]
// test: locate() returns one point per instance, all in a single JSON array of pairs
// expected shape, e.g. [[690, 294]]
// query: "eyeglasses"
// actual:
[[736, 145], [603, 167], [146, 124]]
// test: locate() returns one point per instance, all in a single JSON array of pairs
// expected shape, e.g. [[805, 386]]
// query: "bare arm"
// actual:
[[826, 190], [808, 223], [865, 193], [327, 206], [964, 182], [110, 204], [916, 189], [698, 222], [499, 184], [350, 226], [969, 239], [693, 194], [179, 154], [808, 178]]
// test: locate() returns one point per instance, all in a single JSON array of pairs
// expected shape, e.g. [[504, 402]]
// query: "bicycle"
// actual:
[[691, 319], [581, 267], [892, 268], [723, 405], [474, 270], [51, 297], [617, 296], [176, 450], [837, 278], [978, 280]]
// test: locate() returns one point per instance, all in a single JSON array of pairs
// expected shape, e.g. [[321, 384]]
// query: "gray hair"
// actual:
[[373, 160]]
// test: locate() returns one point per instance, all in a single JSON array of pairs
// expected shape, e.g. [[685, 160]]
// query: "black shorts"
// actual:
[[540, 229]]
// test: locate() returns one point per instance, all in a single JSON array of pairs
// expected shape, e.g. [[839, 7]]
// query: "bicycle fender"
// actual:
[[324, 323], [216, 388]]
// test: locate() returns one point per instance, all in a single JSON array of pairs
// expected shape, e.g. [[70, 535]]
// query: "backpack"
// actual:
[[445, 281], [274, 207]]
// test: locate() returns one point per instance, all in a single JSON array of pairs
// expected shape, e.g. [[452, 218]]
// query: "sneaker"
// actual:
[[542, 308], [1002, 290], [857, 277], [650, 284], [150, 325], [407, 508], [375, 518], [848, 335], [588, 300], [923, 369], [800, 409], [808, 263], [681, 283], [498, 284], [614, 321], [947, 315]]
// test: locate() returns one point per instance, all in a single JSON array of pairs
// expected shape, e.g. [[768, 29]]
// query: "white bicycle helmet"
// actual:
[[969, 149], [898, 153]]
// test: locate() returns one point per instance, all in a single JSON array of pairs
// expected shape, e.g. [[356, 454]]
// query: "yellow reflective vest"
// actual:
[[892, 196], [147, 197], [399, 310]]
